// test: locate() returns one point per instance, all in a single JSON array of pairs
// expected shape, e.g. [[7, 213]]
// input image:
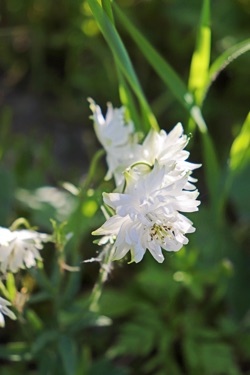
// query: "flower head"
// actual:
[[19, 249], [147, 215], [117, 137], [111, 131], [168, 150], [4, 310]]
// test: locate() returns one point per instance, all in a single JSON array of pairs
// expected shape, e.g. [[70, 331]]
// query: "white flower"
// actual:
[[123, 150], [111, 131], [147, 214], [117, 137], [19, 249], [168, 150], [5, 310]]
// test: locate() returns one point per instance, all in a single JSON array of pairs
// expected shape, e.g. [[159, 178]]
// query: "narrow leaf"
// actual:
[[201, 56], [11, 285], [240, 150], [121, 57], [107, 7]]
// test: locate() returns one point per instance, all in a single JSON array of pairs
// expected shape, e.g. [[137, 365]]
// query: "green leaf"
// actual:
[[240, 150], [67, 351], [224, 60], [107, 7], [121, 57], [11, 286], [201, 56]]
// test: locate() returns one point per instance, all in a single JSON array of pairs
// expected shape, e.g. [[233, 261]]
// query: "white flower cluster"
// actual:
[[19, 249], [154, 185]]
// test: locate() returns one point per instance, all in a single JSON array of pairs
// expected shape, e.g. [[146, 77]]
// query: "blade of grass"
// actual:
[[197, 79], [121, 56], [240, 150], [107, 7], [124, 91], [200, 59], [223, 61], [201, 56]]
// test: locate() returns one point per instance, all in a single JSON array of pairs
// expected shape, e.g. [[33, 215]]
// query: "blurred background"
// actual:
[[191, 314]]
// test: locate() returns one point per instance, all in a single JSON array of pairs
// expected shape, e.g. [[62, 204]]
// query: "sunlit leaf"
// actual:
[[240, 150], [201, 56], [11, 285]]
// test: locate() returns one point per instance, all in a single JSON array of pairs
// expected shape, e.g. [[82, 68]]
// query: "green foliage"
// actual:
[[171, 320], [189, 315]]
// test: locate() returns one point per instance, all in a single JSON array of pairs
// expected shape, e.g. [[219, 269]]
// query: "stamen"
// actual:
[[160, 232]]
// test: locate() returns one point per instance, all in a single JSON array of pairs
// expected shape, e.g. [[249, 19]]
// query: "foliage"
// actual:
[[189, 315]]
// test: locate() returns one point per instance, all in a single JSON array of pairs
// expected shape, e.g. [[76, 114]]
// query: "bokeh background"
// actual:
[[189, 315]]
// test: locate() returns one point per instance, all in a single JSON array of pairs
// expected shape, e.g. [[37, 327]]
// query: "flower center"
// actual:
[[160, 232]]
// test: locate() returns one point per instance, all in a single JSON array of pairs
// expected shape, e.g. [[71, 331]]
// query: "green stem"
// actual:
[[102, 278], [18, 222], [92, 169]]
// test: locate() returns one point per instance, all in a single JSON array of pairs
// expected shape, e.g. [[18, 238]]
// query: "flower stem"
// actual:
[[18, 222], [105, 269]]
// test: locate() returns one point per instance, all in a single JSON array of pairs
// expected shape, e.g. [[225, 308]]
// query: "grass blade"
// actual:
[[107, 7], [240, 150], [121, 57], [201, 56]]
